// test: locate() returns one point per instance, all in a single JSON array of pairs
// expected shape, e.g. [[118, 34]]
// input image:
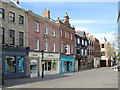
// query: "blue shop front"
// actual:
[[67, 64], [14, 62]]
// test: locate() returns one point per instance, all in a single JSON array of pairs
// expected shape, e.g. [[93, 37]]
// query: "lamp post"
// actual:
[[74, 62], [42, 63]]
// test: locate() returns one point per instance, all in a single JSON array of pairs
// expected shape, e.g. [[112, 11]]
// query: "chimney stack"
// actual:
[[91, 36], [87, 34], [46, 13]]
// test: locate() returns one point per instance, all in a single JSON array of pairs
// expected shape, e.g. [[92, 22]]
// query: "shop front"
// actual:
[[33, 64], [14, 62], [67, 64], [51, 63]]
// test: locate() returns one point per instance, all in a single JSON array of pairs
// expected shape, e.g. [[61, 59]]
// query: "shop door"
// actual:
[[103, 63], [68, 66]]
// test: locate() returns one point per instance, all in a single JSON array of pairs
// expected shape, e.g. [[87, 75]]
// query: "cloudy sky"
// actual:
[[96, 18]]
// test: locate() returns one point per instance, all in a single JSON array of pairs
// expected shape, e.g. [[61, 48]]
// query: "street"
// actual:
[[94, 78]]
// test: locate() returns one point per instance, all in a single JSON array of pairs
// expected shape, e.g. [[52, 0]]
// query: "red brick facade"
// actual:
[[32, 34]]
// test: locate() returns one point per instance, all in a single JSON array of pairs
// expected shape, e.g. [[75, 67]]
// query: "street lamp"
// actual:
[[42, 63], [74, 62]]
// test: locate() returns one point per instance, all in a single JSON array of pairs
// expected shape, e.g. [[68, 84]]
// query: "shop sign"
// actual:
[[33, 63]]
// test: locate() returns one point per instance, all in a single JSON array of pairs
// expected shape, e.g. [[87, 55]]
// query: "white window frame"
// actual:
[[61, 33], [36, 26], [68, 35], [46, 46], [78, 40], [81, 51], [53, 47], [72, 49], [71, 36], [82, 42], [67, 48], [62, 47], [36, 44], [46, 30], [53, 32]]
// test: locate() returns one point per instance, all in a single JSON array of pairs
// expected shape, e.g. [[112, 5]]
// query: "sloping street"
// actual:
[[94, 78]]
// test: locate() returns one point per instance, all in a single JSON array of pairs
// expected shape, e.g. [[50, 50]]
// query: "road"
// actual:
[[94, 78]]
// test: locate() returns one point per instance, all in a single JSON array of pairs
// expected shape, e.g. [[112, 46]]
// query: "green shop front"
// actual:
[[67, 64], [14, 62]]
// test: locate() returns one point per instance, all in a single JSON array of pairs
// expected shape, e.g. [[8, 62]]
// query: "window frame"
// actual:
[[21, 39], [21, 19], [12, 36], [53, 32], [36, 26], [37, 44], [12, 17], [2, 13], [53, 47]]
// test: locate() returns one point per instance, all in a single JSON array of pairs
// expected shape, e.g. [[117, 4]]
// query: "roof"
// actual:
[[81, 33]]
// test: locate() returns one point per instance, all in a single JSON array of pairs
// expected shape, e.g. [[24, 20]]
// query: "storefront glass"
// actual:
[[10, 64], [54, 66], [64, 66], [21, 64]]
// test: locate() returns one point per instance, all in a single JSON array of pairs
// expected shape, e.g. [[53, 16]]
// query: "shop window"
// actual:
[[12, 17], [2, 13], [54, 66], [21, 64], [49, 66], [10, 64], [12, 37], [21, 19]]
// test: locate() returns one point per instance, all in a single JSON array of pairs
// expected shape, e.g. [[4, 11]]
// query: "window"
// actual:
[[65, 34], [103, 46], [20, 63], [71, 36], [78, 40], [61, 33], [81, 51], [53, 47], [68, 35], [67, 49], [85, 43], [72, 49], [2, 13], [36, 44], [46, 30], [53, 32], [61, 46], [46, 47], [10, 64], [103, 53], [21, 19], [12, 37], [82, 42], [3, 34], [85, 52], [89, 52], [12, 17], [21, 35], [36, 26], [78, 51]]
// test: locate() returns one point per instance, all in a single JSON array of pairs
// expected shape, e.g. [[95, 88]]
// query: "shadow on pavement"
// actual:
[[23, 81]]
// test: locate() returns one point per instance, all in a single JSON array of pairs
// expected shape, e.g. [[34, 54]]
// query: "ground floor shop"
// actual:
[[49, 63], [96, 62], [14, 62], [67, 64]]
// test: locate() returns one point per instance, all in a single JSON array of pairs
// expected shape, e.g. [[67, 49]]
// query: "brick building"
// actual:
[[90, 51], [97, 52], [43, 34], [81, 50], [15, 39], [67, 45]]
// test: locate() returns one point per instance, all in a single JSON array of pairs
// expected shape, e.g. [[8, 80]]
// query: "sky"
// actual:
[[96, 18]]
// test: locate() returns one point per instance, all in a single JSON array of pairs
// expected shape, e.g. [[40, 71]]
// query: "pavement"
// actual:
[[95, 78]]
